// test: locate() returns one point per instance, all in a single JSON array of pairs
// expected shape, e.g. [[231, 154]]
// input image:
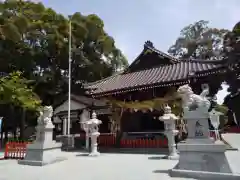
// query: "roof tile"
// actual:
[[159, 75]]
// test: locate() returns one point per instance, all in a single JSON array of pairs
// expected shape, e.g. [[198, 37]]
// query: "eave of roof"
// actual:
[[174, 74]]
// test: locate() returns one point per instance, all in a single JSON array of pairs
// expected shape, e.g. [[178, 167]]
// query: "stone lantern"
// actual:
[[169, 120], [214, 118], [93, 125]]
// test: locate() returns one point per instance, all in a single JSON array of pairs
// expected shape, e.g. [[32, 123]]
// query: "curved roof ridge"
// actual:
[[161, 53]]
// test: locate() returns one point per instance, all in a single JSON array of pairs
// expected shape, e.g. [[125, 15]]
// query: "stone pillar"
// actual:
[[93, 124], [170, 130], [65, 126], [83, 119], [214, 118], [44, 150]]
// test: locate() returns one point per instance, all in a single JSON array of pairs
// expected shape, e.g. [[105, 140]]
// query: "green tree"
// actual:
[[34, 40], [15, 90], [232, 59], [199, 41], [15, 93]]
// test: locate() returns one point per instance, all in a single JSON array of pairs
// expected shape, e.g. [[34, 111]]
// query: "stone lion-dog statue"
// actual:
[[191, 101]]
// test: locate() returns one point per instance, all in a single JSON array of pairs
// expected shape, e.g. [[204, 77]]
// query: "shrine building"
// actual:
[[141, 89]]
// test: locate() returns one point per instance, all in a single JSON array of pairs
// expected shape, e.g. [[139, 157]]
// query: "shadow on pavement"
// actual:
[[125, 151], [157, 157], [82, 154], [166, 171]]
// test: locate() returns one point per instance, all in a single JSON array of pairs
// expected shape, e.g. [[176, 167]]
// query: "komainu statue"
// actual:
[[191, 101], [47, 115], [44, 119]]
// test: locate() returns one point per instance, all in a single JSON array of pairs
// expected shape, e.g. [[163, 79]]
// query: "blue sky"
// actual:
[[132, 22]]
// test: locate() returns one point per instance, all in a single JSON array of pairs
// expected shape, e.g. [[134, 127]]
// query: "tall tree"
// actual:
[[16, 93], [232, 58], [199, 41], [34, 39]]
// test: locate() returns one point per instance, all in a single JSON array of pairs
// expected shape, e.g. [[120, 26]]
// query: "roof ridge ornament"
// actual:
[[148, 44]]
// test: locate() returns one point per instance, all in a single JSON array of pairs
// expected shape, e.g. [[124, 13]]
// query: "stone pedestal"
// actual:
[[170, 131], [173, 153], [201, 157], [44, 150], [67, 142], [94, 145], [93, 124]]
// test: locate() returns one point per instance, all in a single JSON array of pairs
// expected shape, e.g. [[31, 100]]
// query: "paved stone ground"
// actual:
[[105, 167], [232, 139]]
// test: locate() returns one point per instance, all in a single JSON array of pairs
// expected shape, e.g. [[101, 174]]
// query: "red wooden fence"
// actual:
[[107, 140], [144, 143], [15, 150], [233, 130]]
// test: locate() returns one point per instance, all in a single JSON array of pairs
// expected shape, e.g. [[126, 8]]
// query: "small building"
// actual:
[[78, 104]]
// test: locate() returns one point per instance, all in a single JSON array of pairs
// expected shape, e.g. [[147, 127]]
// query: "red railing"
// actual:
[[107, 140], [15, 150], [144, 143], [233, 130]]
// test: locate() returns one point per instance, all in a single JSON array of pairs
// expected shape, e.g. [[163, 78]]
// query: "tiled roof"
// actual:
[[176, 73]]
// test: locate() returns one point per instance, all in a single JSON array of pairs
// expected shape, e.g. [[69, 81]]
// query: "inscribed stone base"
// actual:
[[204, 161], [67, 142], [38, 155]]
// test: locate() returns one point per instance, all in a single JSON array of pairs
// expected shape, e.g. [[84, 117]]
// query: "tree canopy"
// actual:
[[232, 58], [199, 41], [34, 52], [15, 90], [34, 40]]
